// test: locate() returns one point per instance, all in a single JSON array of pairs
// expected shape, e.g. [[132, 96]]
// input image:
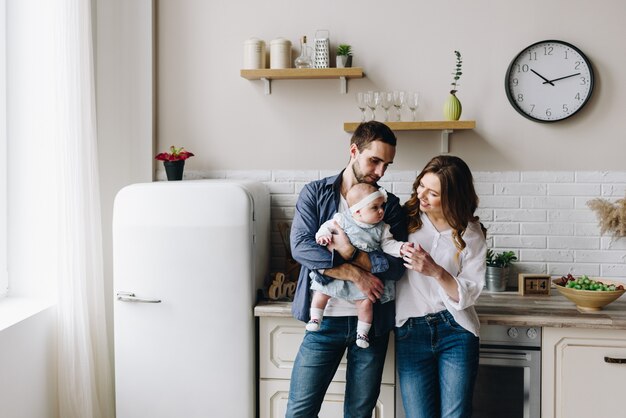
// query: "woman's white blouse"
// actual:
[[418, 295]]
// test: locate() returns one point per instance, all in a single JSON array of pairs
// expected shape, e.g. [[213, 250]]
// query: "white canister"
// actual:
[[253, 54], [280, 53]]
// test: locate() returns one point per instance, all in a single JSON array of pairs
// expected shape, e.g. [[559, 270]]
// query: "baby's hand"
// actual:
[[324, 239], [405, 246]]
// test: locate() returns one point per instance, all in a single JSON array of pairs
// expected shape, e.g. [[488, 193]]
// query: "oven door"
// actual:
[[508, 383]]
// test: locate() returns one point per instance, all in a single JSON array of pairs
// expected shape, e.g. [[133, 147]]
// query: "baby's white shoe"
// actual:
[[313, 325], [362, 340]]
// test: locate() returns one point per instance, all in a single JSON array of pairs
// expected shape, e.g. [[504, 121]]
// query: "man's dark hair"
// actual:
[[368, 132]]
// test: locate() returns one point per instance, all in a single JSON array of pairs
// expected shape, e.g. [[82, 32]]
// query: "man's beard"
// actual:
[[360, 177]]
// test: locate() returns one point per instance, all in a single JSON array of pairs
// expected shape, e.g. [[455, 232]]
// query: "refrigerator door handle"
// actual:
[[130, 297]]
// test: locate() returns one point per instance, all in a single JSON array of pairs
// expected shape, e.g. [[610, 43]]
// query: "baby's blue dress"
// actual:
[[366, 238]]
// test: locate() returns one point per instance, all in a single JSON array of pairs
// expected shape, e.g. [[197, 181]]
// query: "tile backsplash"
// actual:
[[541, 215]]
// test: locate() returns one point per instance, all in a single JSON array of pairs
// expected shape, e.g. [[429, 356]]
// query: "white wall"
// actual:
[[124, 85], [229, 123]]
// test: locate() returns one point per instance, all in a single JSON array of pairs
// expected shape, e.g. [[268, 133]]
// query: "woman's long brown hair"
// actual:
[[458, 197]]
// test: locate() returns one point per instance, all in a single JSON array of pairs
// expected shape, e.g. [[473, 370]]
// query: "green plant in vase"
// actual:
[[497, 274], [452, 108], [344, 56]]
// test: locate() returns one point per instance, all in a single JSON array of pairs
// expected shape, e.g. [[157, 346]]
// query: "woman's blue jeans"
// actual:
[[317, 362], [437, 362]]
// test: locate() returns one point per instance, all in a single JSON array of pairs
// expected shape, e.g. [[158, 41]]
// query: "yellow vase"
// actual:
[[452, 108]]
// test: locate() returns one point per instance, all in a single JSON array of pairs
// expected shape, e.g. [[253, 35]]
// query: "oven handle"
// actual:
[[614, 360], [502, 355]]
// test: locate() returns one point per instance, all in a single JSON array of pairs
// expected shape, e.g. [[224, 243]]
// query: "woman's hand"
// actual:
[[419, 260]]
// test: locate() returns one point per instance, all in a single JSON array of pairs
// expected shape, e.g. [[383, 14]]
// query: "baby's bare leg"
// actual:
[[365, 310], [319, 300]]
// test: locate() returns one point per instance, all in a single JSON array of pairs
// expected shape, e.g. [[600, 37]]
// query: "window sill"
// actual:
[[16, 309]]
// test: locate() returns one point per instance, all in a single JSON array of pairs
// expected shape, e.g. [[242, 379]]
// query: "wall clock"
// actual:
[[549, 81]]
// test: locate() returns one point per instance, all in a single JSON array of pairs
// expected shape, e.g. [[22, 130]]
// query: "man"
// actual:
[[372, 149]]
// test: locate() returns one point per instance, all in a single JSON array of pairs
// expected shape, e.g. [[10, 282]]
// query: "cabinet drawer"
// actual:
[[279, 341], [273, 396]]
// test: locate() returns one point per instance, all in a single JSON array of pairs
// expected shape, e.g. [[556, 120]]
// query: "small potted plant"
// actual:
[[344, 56], [174, 162], [452, 108], [497, 274]]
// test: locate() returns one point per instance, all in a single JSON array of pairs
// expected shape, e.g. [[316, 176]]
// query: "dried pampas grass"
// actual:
[[611, 216]]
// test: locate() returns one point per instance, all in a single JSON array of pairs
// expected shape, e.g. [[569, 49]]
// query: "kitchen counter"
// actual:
[[511, 308]]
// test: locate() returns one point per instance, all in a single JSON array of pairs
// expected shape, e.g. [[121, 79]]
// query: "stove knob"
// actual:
[[531, 333], [513, 333]]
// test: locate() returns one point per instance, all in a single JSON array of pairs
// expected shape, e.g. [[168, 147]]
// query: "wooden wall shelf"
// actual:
[[446, 127], [267, 75]]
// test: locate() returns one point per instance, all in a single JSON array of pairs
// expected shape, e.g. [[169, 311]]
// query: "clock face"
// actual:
[[549, 81]]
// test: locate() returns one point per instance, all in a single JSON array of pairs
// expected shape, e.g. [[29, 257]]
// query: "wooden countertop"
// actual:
[[511, 308]]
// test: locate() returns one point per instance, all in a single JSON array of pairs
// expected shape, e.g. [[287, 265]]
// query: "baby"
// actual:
[[367, 232]]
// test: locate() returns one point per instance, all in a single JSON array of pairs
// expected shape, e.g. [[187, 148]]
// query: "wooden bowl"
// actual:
[[591, 300]]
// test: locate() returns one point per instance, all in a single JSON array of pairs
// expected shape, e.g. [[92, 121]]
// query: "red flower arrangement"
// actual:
[[175, 154]]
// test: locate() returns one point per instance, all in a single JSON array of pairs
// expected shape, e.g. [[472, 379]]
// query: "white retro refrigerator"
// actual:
[[188, 258]]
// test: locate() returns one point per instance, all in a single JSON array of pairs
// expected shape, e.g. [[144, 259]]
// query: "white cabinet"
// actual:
[[279, 341], [582, 375]]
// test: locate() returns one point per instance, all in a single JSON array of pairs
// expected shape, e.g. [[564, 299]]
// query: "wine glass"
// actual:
[[398, 102], [412, 102], [386, 101], [361, 104], [372, 100]]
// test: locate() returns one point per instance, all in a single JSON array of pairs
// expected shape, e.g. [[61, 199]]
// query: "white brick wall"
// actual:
[[541, 215]]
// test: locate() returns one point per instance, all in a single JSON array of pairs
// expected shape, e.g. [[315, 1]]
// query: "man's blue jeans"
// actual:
[[318, 359], [437, 362]]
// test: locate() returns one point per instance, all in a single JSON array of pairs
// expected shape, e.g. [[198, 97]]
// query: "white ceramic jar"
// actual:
[[253, 54], [280, 53]]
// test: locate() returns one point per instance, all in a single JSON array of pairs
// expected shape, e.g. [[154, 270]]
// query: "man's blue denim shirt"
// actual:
[[318, 202]]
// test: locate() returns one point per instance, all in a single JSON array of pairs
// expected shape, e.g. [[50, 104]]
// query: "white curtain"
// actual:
[[85, 382]]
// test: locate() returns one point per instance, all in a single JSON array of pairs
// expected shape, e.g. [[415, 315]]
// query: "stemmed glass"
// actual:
[[398, 102], [372, 100], [361, 103], [386, 100], [412, 101]]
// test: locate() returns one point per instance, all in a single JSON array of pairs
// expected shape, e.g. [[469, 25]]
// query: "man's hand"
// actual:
[[371, 286], [341, 242]]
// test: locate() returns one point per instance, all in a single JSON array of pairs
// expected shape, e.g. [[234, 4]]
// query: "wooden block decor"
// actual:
[[534, 284]]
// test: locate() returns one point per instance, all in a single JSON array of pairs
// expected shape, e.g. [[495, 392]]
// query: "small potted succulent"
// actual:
[[497, 274], [344, 56], [174, 162], [452, 108]]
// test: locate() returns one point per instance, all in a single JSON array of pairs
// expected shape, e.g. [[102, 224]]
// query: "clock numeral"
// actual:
[[532, 108], [520, 97], [565, 108], [548, 112], [514, 82], [566, 57], [532, 56], [577, 65], [577, 97], [583, 81], [522, 68], [547, 50]]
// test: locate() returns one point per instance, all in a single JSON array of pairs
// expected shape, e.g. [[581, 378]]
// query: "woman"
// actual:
[[436, 324]]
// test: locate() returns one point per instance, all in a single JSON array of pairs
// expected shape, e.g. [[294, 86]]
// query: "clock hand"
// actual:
[[560, 78], [542, 77]]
